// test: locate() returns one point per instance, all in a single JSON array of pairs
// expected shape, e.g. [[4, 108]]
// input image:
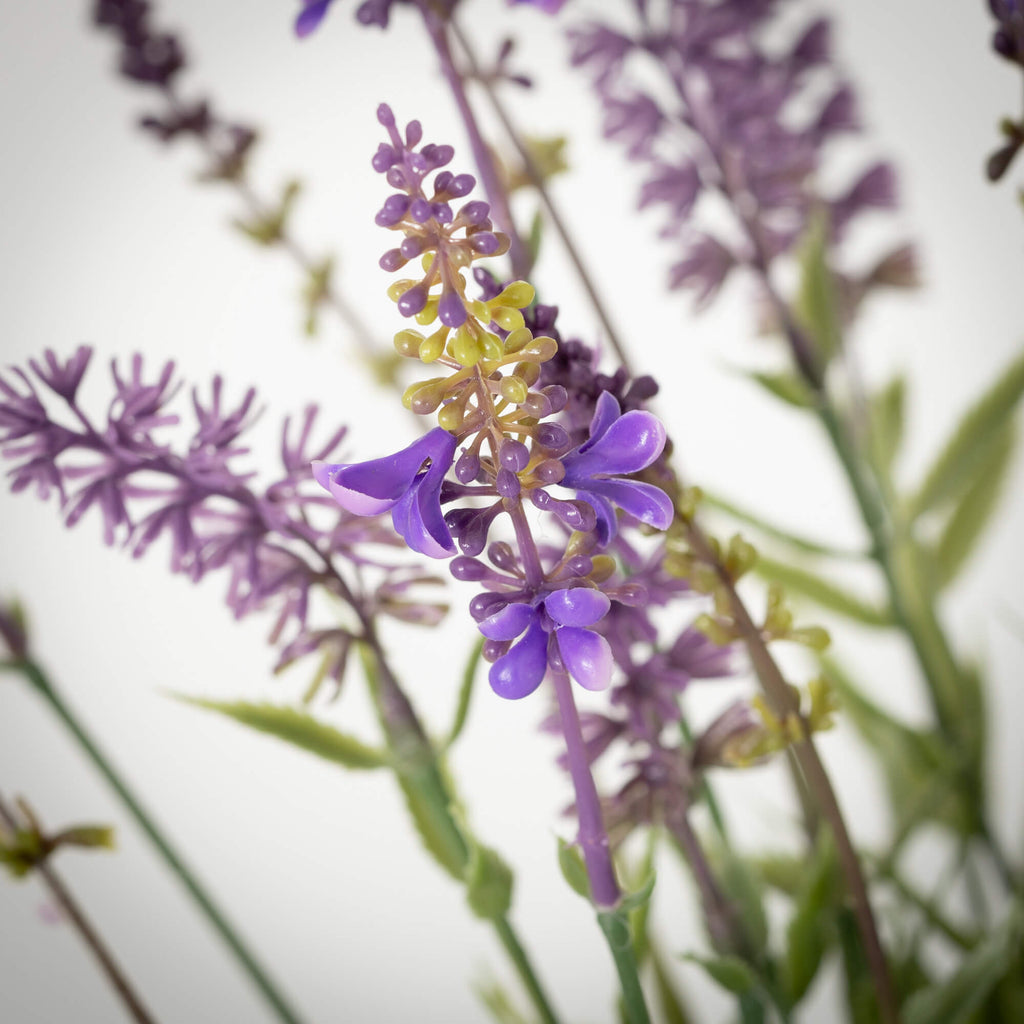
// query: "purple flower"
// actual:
[[408, 484], [561, 616], [309, 18], [618, 444]]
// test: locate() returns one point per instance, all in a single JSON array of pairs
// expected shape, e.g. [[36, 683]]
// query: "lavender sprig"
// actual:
[[273, 542]]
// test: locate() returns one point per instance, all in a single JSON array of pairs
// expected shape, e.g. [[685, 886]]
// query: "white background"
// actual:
[[107, 241]]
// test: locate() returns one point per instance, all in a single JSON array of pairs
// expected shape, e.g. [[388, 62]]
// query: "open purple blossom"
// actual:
[[555, 633], [277, 544], [406, 484], [619, 444]]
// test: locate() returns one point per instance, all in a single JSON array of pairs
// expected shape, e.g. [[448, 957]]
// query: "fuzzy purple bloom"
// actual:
[[273, 541], [619, 444], [406, 484]]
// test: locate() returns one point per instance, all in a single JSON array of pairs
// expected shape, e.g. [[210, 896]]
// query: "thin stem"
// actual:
[[806, 755], [537, 180], [489, 176], [592, 837], [74, 913], [257, 974], [516, 953]]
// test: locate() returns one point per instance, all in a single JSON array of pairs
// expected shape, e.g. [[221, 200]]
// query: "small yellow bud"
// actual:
[[604, 567], [491, 346], [717, 632], [514, 390], [507, 318], [815, 637], [479, 311], [540, 350], [407, 343], [398, 288], [424, 396], [450, 417], [464, 348], [428, 314], [431, 348], [519, 294], [518, 339]]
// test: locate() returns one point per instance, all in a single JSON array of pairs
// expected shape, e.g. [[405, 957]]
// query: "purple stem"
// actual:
[[592, 836]]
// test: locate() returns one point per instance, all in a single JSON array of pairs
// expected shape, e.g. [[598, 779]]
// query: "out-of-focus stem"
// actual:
[[537, 180], [74, 913], [257, 975], [489, 176]]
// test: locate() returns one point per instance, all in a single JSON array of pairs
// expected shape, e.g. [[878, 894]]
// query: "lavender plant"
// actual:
[[596, 586]]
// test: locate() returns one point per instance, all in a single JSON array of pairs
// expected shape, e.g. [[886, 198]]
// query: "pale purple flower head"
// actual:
[[406, 484], [618, 445], [548, 6]]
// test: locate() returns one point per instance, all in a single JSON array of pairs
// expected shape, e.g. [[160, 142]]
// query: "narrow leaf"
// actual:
[[428, 806], [828, 595], [811, 928], [977, 432], [673, 1009], [488, 883], [886, 423], [955, 999], [785, 386], [967, 523], [298, 728], [574, 871], [816, 305], [465, 693], [729, 971]]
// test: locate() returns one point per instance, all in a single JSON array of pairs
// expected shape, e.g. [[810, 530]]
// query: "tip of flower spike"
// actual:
[[385, 116], [309, 18]]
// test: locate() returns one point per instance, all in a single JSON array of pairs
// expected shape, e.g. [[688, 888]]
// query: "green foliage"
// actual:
[[673, 1008], [315, 292], [268, 226], [535, 237], [861, 997], [923, 772], [499, 1003], [299, 729], [574, 871], [971, 443], [828, 595], [732, 973], [785, 386], [886, 411], [954, 1000], [488, 883], [465, 693], [740, 887], [811, 929], [816, 304], [967, 523]]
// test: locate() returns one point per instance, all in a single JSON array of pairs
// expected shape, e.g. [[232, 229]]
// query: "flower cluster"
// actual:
[[539, 606], [154, 58], [268, 540], [744, 122]]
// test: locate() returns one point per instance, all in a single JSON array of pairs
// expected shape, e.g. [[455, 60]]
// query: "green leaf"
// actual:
[[298, 728], [886, 423], [975, 435], [802, 583], [429, 806], [535, 237], [499, 1003], [923, 771], [816, 305], [861, 996], [636, 900], [741, 889], [782, 871], [785, 386], [488, 883], [811, 929], [968, 521], [465, 693], [673, 1009], [732, 973], [574, 871], [954, 1000]]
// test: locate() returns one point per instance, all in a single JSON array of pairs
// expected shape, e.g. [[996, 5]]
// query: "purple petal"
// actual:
[[605, 414], [509, 623], [587, 657], [353, 501], [310, 17], [628, 445], [521, 671], [578, 606], [649, 504]]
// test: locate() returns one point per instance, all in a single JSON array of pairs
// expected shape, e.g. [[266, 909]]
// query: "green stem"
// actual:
[[76, 915], [615, 925], [34, 674], [516, 953]]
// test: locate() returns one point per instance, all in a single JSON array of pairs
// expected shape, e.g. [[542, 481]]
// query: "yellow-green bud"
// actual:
[[514, 390], [519, 294], [407, 343]]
